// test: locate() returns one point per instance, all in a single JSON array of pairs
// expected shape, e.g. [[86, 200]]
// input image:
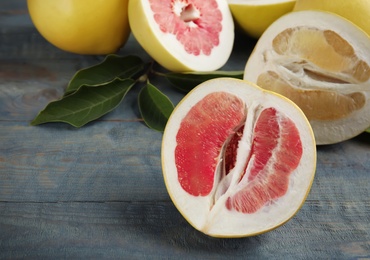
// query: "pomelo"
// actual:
[[254, 16], [321, 62], [356, 11], [184, 35], [96, 27], [237, 160]]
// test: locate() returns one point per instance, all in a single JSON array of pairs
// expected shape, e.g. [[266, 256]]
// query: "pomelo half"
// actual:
[[184, 35], [322, 63], [254, 16], [237, 160]]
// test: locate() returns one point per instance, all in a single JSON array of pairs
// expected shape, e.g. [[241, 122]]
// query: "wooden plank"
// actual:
[[156, 231], [102, 162]]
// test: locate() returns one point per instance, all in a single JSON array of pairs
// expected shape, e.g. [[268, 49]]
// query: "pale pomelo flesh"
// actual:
[[320, 61], [235, 152]]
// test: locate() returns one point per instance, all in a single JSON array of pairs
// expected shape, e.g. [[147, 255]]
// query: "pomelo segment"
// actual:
[[237, 160], [200, 123], [255, 16], [321, 62], [265, 185], [184, 35]]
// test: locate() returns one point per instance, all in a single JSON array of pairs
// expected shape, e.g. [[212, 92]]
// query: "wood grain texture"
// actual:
[[97, 192]]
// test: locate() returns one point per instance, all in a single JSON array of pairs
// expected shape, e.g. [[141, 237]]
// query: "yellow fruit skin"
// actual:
[[82, 26], [254, 19], [149, 42], [356, 11]]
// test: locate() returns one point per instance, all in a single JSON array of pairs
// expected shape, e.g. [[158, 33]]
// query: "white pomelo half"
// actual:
[[237, 160], [255, 16], [322, 63], [184, 35]]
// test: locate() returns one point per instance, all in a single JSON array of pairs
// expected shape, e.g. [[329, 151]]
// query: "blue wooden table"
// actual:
[[97, 191]]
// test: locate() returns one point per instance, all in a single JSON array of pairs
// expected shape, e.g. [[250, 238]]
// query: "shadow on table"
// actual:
[[159, 227]]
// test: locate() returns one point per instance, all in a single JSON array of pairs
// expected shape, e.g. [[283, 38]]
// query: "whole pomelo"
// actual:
[[254, 16], [82, 26], [356, 11]]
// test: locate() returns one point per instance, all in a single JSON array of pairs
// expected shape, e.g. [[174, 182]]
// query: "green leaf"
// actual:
[[368, 130], [189, 80], [111, 68], [86, 104], [155, 107]]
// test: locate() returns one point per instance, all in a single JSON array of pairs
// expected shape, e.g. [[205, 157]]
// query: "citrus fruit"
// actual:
[[237, 160], [184, 35], [84, 27], [322, 63], [356, 11], [254, 16]]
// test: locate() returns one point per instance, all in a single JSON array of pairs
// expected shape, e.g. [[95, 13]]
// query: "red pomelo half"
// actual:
[[237, 160], [184, 35]]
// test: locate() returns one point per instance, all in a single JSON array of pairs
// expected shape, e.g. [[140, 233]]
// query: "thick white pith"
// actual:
[[304, 75], [209, 213]]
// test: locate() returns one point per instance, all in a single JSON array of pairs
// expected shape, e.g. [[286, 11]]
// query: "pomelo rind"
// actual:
[[325, 132], [356, 11], [184, 201], [255, 16], [79, 27], [168, 52]]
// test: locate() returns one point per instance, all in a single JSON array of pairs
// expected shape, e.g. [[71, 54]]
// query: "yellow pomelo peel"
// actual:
[[356, 11], [84, 27], [254, 16]]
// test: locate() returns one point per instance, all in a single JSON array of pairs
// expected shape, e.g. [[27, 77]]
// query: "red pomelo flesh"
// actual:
[[276, 152], [196, 24], [201, 136]]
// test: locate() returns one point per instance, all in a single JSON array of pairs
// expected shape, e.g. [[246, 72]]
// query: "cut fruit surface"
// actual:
[[237, 160], [321, 62], [255, 16], [184, 35]]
